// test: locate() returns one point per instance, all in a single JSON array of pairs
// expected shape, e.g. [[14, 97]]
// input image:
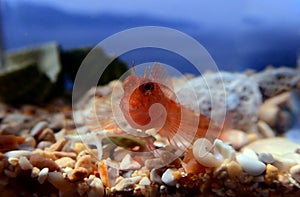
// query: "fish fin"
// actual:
[[160, 75]]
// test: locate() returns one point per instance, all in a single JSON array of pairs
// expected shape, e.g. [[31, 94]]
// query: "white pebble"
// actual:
[[155, 177], [250, 165], [18, 153], [43, 175], [266, 158], [168, 177], [25, 164], [128, 163], [250, 153], [283, 164], [97, 188], [295, 172], [145, 181], [38, 128]]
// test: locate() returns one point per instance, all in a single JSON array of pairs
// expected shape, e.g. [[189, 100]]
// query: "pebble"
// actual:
[[38, 128], [168, 177], [282, 163], [35, 172], [65, 162], [271, 174], [18, 153], [128, 163], [47, 135], [79, 146], [236, 138], [233, 169], [153, 163], [145, 181], [269, 113], [85, 162], [277, 145], [57, 146], [226, 151], [295, 172], [41, 162], [126, 183], [43, 175], [96, 188], [201, 148], [250, 153], [155, 176], [24, 163], [265, 129], [266, 158], [30, 141], [13, 161], [250, 165], [10, 142], [44, 144], [59, 182]]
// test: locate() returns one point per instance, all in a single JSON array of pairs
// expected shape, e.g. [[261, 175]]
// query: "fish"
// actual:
[[149, 101]]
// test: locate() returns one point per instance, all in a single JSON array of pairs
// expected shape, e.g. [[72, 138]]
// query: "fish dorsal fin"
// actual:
[[160, 75]]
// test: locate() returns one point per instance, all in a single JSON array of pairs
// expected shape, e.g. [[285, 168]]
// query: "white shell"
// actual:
[[201, 152]]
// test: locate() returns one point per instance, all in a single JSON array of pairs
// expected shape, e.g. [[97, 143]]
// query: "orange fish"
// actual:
[[150, 102]]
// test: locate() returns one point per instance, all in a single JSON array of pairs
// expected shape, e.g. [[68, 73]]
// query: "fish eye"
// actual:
[[147, 87]]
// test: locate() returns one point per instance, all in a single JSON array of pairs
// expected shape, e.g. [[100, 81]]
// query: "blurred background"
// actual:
[[238, 34]]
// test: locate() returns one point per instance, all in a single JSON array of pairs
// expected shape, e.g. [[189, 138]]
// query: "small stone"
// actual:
[[145, 181], [153, 163], [266, 158], [38, 128], [236, 138], [78, 174], [250, 165], [277, 145], [108, 171], [43, 175], [295, 172], [282, 163], [155, 176], [47, 135], [271, 174], [57, 146], [44, 144], [226, 151], [18, 153], [35, 172], [269, 113], [60, 154], [79, 146], [96, 188], [126, 183], [265, 129], [30, 141], [10, 142], [59, 182], [129, 164], [65, 162], [250, 153], [85, 162], [168, 177], [24, 163], [40, 162]]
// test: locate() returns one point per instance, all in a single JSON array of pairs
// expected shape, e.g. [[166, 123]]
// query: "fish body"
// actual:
[[150, 102]]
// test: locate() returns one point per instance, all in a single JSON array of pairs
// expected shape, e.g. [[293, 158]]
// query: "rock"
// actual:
[[10, 142], [250, 165], [18, 153], [85, 162], [79, 146], [13, 161], [145, 181], [24, 163], [78, 174], [265, 129], [269, 113], [236, 138], [40, 162], [129, 164], [38, 128], [59, 182], [155, 176], [57, 146], [108, 171], [43, 175], [126, 183], [65, 162], [201, 148], [96, 187], [35, 172], [30, 141], [47, 135], [295, 172], [233, 169], [44, 144], [168, 177], [250, 153], [273, 146], [153, 163], [267, 158], [271, 174], [282, 163]]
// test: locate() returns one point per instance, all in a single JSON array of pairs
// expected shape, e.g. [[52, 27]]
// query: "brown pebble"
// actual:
[[44, 144], [10, 142], [65, 162], [271, 174], [41, 162], [78, 174], [57, 146], [85, 162], [47, 135], [60, 154]]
